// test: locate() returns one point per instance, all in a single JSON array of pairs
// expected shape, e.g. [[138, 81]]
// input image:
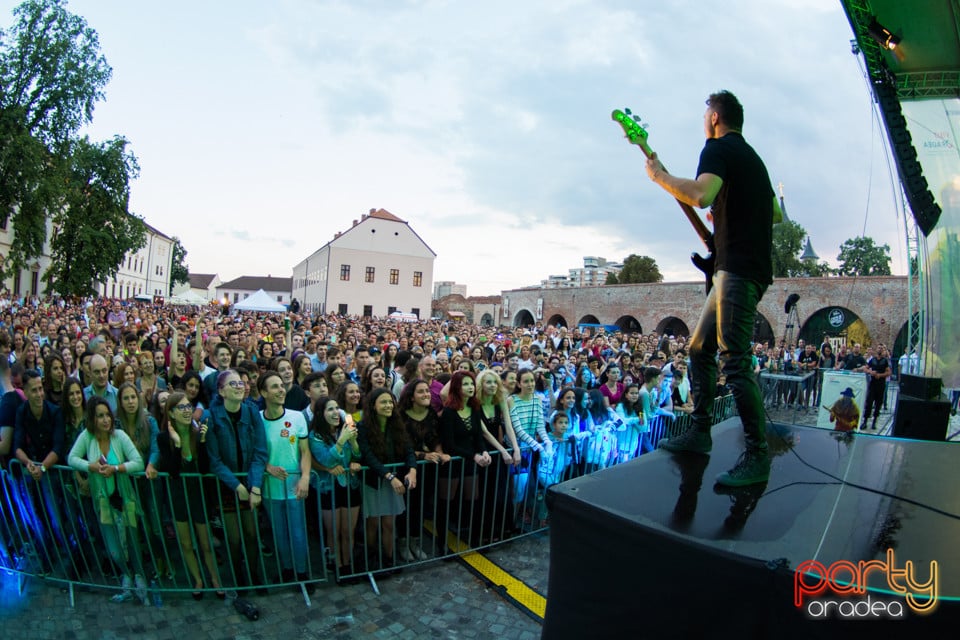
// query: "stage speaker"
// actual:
[[921, 419], [926, 212], [920, 387]]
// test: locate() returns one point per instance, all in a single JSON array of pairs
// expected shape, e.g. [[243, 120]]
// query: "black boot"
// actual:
[[753, 467]]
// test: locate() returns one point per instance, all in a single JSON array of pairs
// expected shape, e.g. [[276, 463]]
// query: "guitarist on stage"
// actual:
[[733, 182]]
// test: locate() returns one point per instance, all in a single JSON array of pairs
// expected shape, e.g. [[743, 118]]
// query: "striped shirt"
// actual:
[[528, 421]]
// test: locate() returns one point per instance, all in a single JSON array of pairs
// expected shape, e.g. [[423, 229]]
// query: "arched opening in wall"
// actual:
[[557, 320], [673, 326], [762, 331], [589, 319], [839, 324], [900, 345], [486, 320], [629, 324], [523, 318]]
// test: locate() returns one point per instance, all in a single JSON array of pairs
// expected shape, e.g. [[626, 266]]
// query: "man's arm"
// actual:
[[700, 192]]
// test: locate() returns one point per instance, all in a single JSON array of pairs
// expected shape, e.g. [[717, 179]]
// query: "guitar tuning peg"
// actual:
[[636, 118], [627, 111], [645, 125]]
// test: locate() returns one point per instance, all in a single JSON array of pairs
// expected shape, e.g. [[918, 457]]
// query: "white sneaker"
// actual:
[[416, 550], [404, 550], [141, 589], [126, 594]]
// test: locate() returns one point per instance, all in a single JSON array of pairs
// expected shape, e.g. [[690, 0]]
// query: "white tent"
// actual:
[[260, 301], [188, 298]]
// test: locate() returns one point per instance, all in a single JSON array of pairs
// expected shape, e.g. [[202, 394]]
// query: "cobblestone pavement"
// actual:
[[438, 600]]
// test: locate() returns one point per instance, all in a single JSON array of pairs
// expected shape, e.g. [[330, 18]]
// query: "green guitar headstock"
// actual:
[[632, 129]]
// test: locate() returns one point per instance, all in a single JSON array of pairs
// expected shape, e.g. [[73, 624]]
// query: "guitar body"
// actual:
[[706, 264], [637, 135]]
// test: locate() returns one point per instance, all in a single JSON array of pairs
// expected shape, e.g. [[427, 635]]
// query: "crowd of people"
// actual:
[[314, 421], [803, 358]]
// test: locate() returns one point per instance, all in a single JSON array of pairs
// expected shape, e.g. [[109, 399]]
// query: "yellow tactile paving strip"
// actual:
[[510, 587]]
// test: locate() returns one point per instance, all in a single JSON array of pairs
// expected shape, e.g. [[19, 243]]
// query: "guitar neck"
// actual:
[[692, 216]]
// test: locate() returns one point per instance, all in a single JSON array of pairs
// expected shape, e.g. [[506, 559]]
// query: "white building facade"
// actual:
[[145, 272], [28, 281], [444, 288], [202, 284], [592, 274], [378, 266], [239, 289]]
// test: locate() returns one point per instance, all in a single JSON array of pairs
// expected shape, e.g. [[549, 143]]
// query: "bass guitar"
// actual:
[[637, 135]]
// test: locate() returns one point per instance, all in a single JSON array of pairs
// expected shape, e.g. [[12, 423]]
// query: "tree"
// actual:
[[787, 244], [611, 278], [179, 271], [817, 270], [861, 257], [639, 269], [93, 229], [51, 75]]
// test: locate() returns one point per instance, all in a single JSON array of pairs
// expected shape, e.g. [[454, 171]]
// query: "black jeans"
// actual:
[[726, 324], [876, 390]]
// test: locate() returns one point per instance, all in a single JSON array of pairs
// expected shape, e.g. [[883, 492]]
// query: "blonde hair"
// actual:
[[498, 396]]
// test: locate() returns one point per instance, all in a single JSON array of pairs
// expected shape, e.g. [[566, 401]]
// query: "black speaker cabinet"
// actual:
[[921, 419], [920, 387]]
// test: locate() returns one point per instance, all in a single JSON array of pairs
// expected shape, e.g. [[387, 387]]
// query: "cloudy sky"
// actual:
[[262, 128]]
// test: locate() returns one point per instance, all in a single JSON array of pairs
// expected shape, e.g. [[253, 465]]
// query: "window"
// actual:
[[368, 311], [391, 310], [279, 298], [34, 283], [394, 276], [236, 297], [344, 272], [370, 275], [415, 311], [342, 308], [418, 278]]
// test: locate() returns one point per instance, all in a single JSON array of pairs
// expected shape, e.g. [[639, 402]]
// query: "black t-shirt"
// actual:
[[853, 361], [296, 399], [742, 210], [9, 404], [879, 365]]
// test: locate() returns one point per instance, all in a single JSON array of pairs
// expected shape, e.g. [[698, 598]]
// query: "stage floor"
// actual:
[[831, 497]]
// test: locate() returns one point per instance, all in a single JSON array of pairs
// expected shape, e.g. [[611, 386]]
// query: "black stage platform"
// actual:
[[653, 549]]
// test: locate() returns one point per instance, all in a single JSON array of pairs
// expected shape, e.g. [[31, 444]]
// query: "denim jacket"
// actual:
[[222, 447]]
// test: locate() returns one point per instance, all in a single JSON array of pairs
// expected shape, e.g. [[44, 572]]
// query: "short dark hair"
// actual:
[[728, 108], [310, 378], [31, 374]]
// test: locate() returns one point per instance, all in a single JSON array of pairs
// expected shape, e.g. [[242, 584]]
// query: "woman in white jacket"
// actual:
[[109, 456]]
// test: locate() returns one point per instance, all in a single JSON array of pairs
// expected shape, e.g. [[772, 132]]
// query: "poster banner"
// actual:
[[842, 399], [934, 126]]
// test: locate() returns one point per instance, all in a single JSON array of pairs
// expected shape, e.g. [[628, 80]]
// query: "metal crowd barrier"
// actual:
[[459, 508], [51, 529]]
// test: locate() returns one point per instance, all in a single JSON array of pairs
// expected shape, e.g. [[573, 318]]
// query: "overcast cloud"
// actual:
[[262, 128]]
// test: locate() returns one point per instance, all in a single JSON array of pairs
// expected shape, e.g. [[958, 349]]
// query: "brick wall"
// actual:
[[879, 301]]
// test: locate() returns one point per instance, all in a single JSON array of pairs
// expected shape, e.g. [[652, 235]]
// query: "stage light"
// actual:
[[883, 35]]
